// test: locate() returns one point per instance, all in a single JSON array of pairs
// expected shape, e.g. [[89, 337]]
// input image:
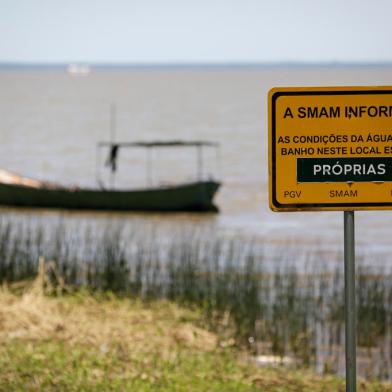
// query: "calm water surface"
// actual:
[[51, 121]]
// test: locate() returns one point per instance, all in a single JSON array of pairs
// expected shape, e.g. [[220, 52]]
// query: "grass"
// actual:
[[90, 342], [255, 295]]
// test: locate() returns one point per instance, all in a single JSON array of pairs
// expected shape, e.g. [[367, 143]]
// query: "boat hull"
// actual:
[[196, 196]]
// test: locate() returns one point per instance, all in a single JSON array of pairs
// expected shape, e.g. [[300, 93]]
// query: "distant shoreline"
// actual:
[[26, 66]]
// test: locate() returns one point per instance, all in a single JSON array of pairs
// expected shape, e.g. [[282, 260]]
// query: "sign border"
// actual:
[[273, 96]]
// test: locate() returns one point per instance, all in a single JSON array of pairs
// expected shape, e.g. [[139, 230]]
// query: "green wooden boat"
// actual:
[[198, 195], [195, 196]]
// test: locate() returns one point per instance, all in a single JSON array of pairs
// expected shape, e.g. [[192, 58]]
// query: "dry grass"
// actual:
[[100, 321], [101, 342]]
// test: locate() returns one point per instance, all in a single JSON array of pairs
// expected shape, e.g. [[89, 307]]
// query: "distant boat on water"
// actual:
[[78, 69], [197, 195]]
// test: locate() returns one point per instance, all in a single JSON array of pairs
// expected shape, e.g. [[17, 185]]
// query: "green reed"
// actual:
[[246, 290]]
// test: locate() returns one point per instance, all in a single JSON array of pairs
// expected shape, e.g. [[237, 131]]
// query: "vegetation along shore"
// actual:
[[243, 304]]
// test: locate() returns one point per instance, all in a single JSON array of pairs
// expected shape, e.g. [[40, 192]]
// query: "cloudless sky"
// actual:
[[163, 31]]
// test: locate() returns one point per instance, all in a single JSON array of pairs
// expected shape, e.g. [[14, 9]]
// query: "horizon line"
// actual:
[[189, 64]]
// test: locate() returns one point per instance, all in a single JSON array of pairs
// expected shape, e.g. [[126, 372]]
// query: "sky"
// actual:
[[198, 31]]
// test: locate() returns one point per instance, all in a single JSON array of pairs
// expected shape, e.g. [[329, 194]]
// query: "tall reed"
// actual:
[[256, 293]]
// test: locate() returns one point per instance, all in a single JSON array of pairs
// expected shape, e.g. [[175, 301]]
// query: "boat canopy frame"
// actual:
[[114, 147]]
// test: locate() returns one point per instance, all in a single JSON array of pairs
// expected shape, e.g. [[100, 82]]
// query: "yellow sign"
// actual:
[[330, 148]]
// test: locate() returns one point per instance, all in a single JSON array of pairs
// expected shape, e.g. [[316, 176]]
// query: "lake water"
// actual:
[[50, 122]]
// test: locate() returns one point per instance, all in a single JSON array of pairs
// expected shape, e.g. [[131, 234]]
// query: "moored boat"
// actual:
[[196, 195]]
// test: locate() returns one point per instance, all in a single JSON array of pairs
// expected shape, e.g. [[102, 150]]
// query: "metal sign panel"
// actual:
[[330, 148]]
